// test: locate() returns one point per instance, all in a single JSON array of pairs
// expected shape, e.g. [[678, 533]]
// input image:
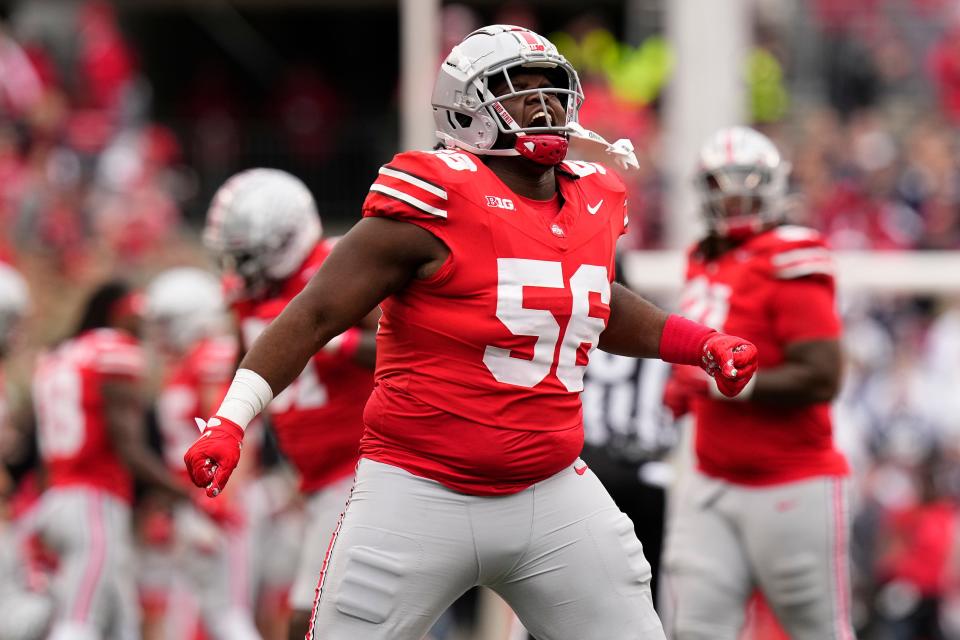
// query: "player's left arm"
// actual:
[[639, 329], [810, 374], [635, 325], [805, 321]]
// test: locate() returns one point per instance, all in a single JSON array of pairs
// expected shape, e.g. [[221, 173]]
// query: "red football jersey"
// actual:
[[775, 289], [480, 367], [206, 369], [74, 442], [318, 419]]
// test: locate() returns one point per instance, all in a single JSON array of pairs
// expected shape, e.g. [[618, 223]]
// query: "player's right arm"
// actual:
[[375, 259]]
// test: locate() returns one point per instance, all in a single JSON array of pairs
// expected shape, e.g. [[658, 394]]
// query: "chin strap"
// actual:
[[550, 149], [621, 150]]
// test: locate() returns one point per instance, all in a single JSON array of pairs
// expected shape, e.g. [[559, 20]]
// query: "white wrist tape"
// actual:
[[248, 395], [743, 396]]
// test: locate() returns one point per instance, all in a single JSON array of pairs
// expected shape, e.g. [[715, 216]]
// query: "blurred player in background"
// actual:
[[492, 260], [264, 228], [186, 317], [766, 507], [25, 609], [90, 413]]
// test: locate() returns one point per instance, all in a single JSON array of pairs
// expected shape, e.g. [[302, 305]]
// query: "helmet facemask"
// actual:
[[741, 181], [738, 201], [469, 116]]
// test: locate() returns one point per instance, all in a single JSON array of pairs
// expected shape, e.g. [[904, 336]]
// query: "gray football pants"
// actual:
[[788, 540], [559, 552], [94, 588], [216, 566]]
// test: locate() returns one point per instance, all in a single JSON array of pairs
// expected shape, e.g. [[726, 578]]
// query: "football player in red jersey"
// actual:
[[766, 507], [492, 261], [265, 230], [185, 313], [90, 420]]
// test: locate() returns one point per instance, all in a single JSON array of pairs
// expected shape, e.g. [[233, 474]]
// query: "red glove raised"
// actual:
[[730, 360], [213, 457]]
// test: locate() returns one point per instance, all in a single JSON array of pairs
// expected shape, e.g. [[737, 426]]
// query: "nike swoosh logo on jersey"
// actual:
[[581, 470], [593, 210]]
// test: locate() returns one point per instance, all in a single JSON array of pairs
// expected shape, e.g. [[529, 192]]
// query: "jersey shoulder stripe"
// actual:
[[409, 199], [797, 252], [417, 181], [412, 184]]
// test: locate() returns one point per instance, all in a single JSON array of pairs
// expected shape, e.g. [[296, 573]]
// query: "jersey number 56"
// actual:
[[513, 274]]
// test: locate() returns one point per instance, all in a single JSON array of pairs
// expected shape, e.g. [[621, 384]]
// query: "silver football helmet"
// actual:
[[184, 305], [467, 113], [262, 225], [14, 301], [742, 181]]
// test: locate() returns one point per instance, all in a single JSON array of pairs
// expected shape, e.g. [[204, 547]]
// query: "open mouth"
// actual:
[[540, 119]]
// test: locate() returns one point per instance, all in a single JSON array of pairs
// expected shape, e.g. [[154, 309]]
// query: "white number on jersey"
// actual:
[[706, 302], [513, 274], [175, 413], [58, 397], [306, 392], [583, 169], [456, 160]]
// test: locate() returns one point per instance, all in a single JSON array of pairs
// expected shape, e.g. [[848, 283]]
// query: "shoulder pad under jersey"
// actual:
[[415, 184], [116, 353], [793, 251], [594, 173]]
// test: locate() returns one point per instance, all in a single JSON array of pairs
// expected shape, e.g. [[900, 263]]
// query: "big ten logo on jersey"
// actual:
[[500, 203], [706, 302], [306, 392], [456, 160], [58, 397], [513, 274]]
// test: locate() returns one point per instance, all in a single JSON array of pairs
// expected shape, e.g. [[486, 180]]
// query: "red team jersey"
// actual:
[[775, 289], [207, 367], [318, 419], [480, 367], [74, 442]]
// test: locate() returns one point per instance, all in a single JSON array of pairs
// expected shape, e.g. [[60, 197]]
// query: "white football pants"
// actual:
[[559, 553], [323, 511], [94, 587], [788, 540]]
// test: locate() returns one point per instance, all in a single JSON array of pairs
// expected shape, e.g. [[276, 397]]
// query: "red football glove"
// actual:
[[213, 457], [730, 360], [684, 384]]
